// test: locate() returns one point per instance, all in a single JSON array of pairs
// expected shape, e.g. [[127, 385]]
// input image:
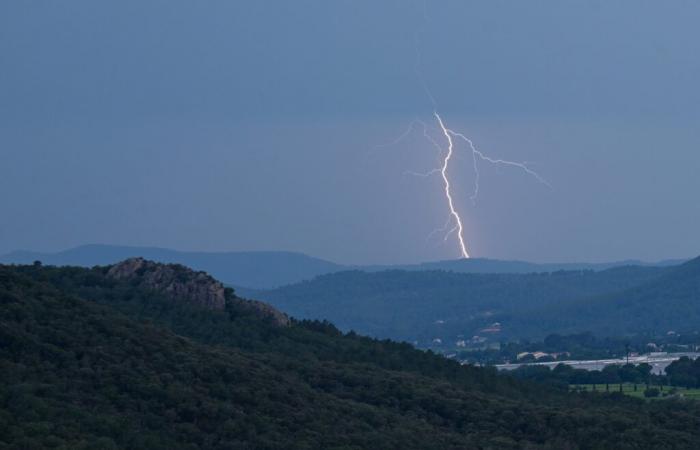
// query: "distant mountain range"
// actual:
[[485, 265], [269, 269]]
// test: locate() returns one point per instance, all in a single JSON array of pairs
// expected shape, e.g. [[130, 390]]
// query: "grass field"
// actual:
[[628, 389]]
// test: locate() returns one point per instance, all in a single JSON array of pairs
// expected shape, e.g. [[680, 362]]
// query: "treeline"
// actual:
[[684, 372], [563, 375], [582, 346]]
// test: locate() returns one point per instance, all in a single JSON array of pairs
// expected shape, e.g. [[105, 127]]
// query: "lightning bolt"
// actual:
[[459, 228], [478, 154], [446, 155]]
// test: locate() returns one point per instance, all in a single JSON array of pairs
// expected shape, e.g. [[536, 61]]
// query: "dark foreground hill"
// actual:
[[264, 270], [146, 356]]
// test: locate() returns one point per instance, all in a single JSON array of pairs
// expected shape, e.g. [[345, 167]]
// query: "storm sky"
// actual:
[[260, 125]]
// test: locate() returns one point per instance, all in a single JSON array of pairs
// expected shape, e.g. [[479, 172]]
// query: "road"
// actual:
[[658, 362]]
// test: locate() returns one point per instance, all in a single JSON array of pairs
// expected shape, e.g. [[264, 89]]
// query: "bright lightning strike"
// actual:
[[459, 228], [476, 153], [446, 156]]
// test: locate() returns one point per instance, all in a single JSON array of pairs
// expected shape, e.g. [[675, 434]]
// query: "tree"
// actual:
[[651, 392]]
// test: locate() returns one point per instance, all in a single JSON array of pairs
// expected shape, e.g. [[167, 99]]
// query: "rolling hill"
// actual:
[[427, 306], [420, 307], [670, 302]]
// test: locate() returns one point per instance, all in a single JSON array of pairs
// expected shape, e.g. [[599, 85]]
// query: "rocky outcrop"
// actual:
[[264, 310], [181, 283], [176, 281]]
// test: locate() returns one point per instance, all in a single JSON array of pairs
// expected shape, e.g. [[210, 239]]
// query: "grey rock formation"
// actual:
[[264, 310], [174, 280], [181, 283]]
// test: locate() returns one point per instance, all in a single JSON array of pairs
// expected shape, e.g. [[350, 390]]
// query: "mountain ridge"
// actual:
[[272, 269], [232, 268]]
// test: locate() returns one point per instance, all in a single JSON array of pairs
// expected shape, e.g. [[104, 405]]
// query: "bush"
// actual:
[[651, 392]]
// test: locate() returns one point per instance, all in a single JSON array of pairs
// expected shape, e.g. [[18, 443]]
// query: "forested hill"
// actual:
[[670, 302], [146, 356], [425, 306], [250, 269]]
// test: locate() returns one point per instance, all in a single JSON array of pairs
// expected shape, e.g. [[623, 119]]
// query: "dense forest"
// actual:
[[90, 361], [683, 372]]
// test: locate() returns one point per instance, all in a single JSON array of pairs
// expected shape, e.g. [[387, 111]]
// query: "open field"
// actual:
[[629, 389]]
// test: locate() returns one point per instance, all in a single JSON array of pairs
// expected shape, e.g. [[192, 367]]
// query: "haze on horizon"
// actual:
[[256, 126]]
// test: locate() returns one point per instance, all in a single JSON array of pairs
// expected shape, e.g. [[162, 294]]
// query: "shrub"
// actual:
[[651, 392]]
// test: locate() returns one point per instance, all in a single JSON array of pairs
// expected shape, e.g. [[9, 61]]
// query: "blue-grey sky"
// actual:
[[257, 125]]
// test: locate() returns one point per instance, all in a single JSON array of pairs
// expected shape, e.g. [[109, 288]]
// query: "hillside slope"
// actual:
[[423, 306], [92, 360], [669, 303]]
